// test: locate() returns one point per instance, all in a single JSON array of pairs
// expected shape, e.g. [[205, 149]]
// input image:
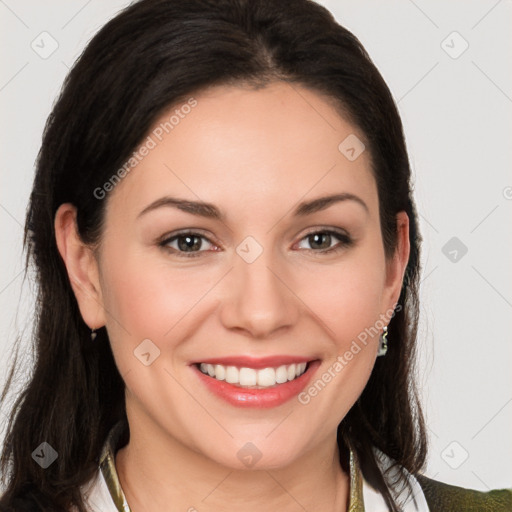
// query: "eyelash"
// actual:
[[344, 242]]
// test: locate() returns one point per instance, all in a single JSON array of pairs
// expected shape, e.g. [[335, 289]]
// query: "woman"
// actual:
[[226, 244]]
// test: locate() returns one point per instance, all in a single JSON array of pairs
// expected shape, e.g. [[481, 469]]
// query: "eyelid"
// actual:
[[164, 240], [326, 229], [187, 231], [345, 240]]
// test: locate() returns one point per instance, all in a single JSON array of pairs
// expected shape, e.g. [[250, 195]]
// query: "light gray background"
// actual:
[[458, 124]]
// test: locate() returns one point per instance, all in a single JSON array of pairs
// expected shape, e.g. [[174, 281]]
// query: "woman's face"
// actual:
[[266, 276]]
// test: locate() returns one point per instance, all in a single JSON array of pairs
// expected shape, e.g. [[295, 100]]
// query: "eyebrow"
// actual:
[[210, 211]]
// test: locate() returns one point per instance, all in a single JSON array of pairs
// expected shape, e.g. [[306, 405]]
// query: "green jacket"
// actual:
[[105, 494], [444, 497]]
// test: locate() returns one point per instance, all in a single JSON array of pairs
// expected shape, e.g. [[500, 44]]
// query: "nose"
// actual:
[[258, 299]]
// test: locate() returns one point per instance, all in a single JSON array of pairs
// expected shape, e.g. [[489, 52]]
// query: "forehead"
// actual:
[[278, 143]]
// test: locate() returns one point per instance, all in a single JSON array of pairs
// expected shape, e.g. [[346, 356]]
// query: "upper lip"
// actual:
[[255, 362]]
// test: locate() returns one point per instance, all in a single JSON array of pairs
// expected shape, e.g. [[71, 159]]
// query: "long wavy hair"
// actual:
[[152, 55]]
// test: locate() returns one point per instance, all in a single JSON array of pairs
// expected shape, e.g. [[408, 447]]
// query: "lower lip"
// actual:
[[258, 398]]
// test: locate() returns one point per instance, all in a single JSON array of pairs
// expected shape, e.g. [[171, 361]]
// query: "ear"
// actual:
[[81, 265], [395, 267]]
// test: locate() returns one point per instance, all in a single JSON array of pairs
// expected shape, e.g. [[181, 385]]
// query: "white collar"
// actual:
[[97, 496], [374, 501]]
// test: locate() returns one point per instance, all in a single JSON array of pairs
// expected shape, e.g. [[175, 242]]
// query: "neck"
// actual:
[[156, 472]]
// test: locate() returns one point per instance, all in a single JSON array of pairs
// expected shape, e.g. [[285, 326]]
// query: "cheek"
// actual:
[[147, 299], [347, 301], [347, 297]]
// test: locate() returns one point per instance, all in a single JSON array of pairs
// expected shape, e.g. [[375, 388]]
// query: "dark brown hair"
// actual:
[[152, 55]]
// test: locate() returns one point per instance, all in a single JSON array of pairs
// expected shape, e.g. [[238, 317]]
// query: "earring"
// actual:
[[93, 334], [383, 342]]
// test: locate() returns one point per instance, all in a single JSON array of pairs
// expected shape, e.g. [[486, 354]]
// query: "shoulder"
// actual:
[[426, 494], [441, 497]]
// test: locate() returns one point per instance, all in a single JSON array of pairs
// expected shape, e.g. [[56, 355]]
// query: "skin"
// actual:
[[255, 155]]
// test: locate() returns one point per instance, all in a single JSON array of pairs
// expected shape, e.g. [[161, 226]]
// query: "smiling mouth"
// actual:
[[251, 378]]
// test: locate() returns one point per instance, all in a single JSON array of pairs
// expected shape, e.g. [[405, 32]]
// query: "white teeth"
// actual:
[[248, 377], [220, 372], [281, 374], [251, 378], [232, 375], [266, 377]]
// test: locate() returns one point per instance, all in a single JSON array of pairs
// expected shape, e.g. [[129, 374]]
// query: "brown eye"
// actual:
[[322, 241], [187, 244]]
